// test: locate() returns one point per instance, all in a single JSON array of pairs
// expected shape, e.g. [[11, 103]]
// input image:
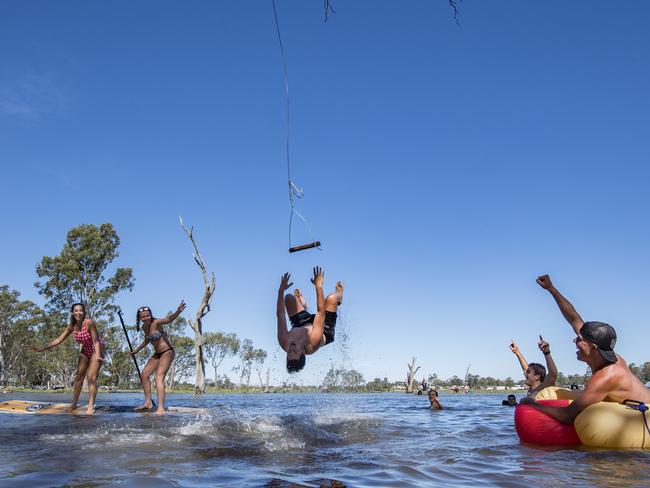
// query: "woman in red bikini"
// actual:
[[163, 354], [91, 355]]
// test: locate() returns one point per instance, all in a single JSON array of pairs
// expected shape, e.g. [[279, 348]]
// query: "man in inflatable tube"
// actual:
[[536, 376], [611, 377]]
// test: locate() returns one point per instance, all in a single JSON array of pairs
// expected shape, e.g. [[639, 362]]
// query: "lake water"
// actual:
[[363, 440]]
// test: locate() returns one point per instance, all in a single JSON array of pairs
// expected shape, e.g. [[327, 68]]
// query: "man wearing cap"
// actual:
[[611, 377]]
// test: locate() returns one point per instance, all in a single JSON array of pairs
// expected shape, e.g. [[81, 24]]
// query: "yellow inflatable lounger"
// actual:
[[605, 424], [556, 393]]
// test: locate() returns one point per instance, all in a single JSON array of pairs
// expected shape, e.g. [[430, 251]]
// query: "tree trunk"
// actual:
[[169, 380], [199, 360], [204, 308], [410, 376]]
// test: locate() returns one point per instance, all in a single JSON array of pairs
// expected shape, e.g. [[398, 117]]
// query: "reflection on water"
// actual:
[[247, 440]]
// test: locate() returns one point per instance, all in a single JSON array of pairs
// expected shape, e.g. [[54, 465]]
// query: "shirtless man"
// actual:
[[536, 377], [611, 378], [309, 332]]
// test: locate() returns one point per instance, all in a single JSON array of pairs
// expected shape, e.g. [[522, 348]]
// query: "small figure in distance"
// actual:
[[309, 332], [510, 402], [433, 399], [536, 377]]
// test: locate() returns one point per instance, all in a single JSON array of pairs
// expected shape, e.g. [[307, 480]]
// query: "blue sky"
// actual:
[[444, 166]]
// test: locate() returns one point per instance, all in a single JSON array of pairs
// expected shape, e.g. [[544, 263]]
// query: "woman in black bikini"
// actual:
[[163, 354]]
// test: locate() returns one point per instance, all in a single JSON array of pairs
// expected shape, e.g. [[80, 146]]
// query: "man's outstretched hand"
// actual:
[[545, 282], [285, 283], [319, 277], [514, 347], [543, 345]]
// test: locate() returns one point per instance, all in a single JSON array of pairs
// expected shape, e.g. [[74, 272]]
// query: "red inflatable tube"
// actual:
[[535, 427]]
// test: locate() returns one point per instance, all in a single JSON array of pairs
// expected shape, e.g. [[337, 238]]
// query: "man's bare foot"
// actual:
[[90, 410], [300, 297], [72, 407], [159, 411], [339, 290], [144, 406]]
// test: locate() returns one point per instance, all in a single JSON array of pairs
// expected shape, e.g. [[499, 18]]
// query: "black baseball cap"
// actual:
[[603, 336]]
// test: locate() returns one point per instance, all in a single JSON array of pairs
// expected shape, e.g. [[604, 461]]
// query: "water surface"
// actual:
[[364, 440]]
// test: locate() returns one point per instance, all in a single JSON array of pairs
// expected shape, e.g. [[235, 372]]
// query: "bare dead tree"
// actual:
[[410, 376], [327, 7], [202, 311], [454, 5]]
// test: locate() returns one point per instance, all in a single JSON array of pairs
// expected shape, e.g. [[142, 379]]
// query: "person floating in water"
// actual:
[[309, 332], [91, 355], [433, 400], [163, 355], [611, 377], [536, 376], [510, 402]]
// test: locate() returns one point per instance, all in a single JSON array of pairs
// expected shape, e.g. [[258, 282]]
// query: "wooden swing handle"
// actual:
[[305, 246]]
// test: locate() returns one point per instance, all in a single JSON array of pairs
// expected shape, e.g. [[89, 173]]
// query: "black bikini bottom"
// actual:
[[158, 354]]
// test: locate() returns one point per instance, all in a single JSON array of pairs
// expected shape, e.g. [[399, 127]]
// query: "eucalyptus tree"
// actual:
[[259, 356], [218, 346], [80, 274], [17, 321], [246, 356]]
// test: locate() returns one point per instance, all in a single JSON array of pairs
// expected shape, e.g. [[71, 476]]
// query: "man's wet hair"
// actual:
[[296, 365], [512, 396], [538, 369]]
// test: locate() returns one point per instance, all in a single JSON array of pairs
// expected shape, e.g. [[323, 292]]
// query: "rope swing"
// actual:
[[295, 192]]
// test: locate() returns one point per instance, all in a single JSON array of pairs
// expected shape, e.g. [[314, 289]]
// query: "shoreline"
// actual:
[[278, 390]]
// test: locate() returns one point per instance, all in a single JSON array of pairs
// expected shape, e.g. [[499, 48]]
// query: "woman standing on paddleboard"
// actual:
[[91, 355], [163, 354]]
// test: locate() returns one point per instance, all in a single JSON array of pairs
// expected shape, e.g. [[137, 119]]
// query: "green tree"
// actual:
[[183, 363], [352, 380], [333, 379], [379, 385], [246, 356], [60, 363], [77, 274], [645, 372], [218, 346], [259, 356], [18, 319], [473, 381]]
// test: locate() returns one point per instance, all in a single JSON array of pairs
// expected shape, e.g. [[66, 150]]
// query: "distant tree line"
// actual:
[[349, 380], [79, 275]]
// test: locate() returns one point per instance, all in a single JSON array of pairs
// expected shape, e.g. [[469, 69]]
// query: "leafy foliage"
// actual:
[[76, 275]]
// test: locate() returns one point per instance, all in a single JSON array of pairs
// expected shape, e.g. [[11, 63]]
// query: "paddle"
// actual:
[[135, 361]]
